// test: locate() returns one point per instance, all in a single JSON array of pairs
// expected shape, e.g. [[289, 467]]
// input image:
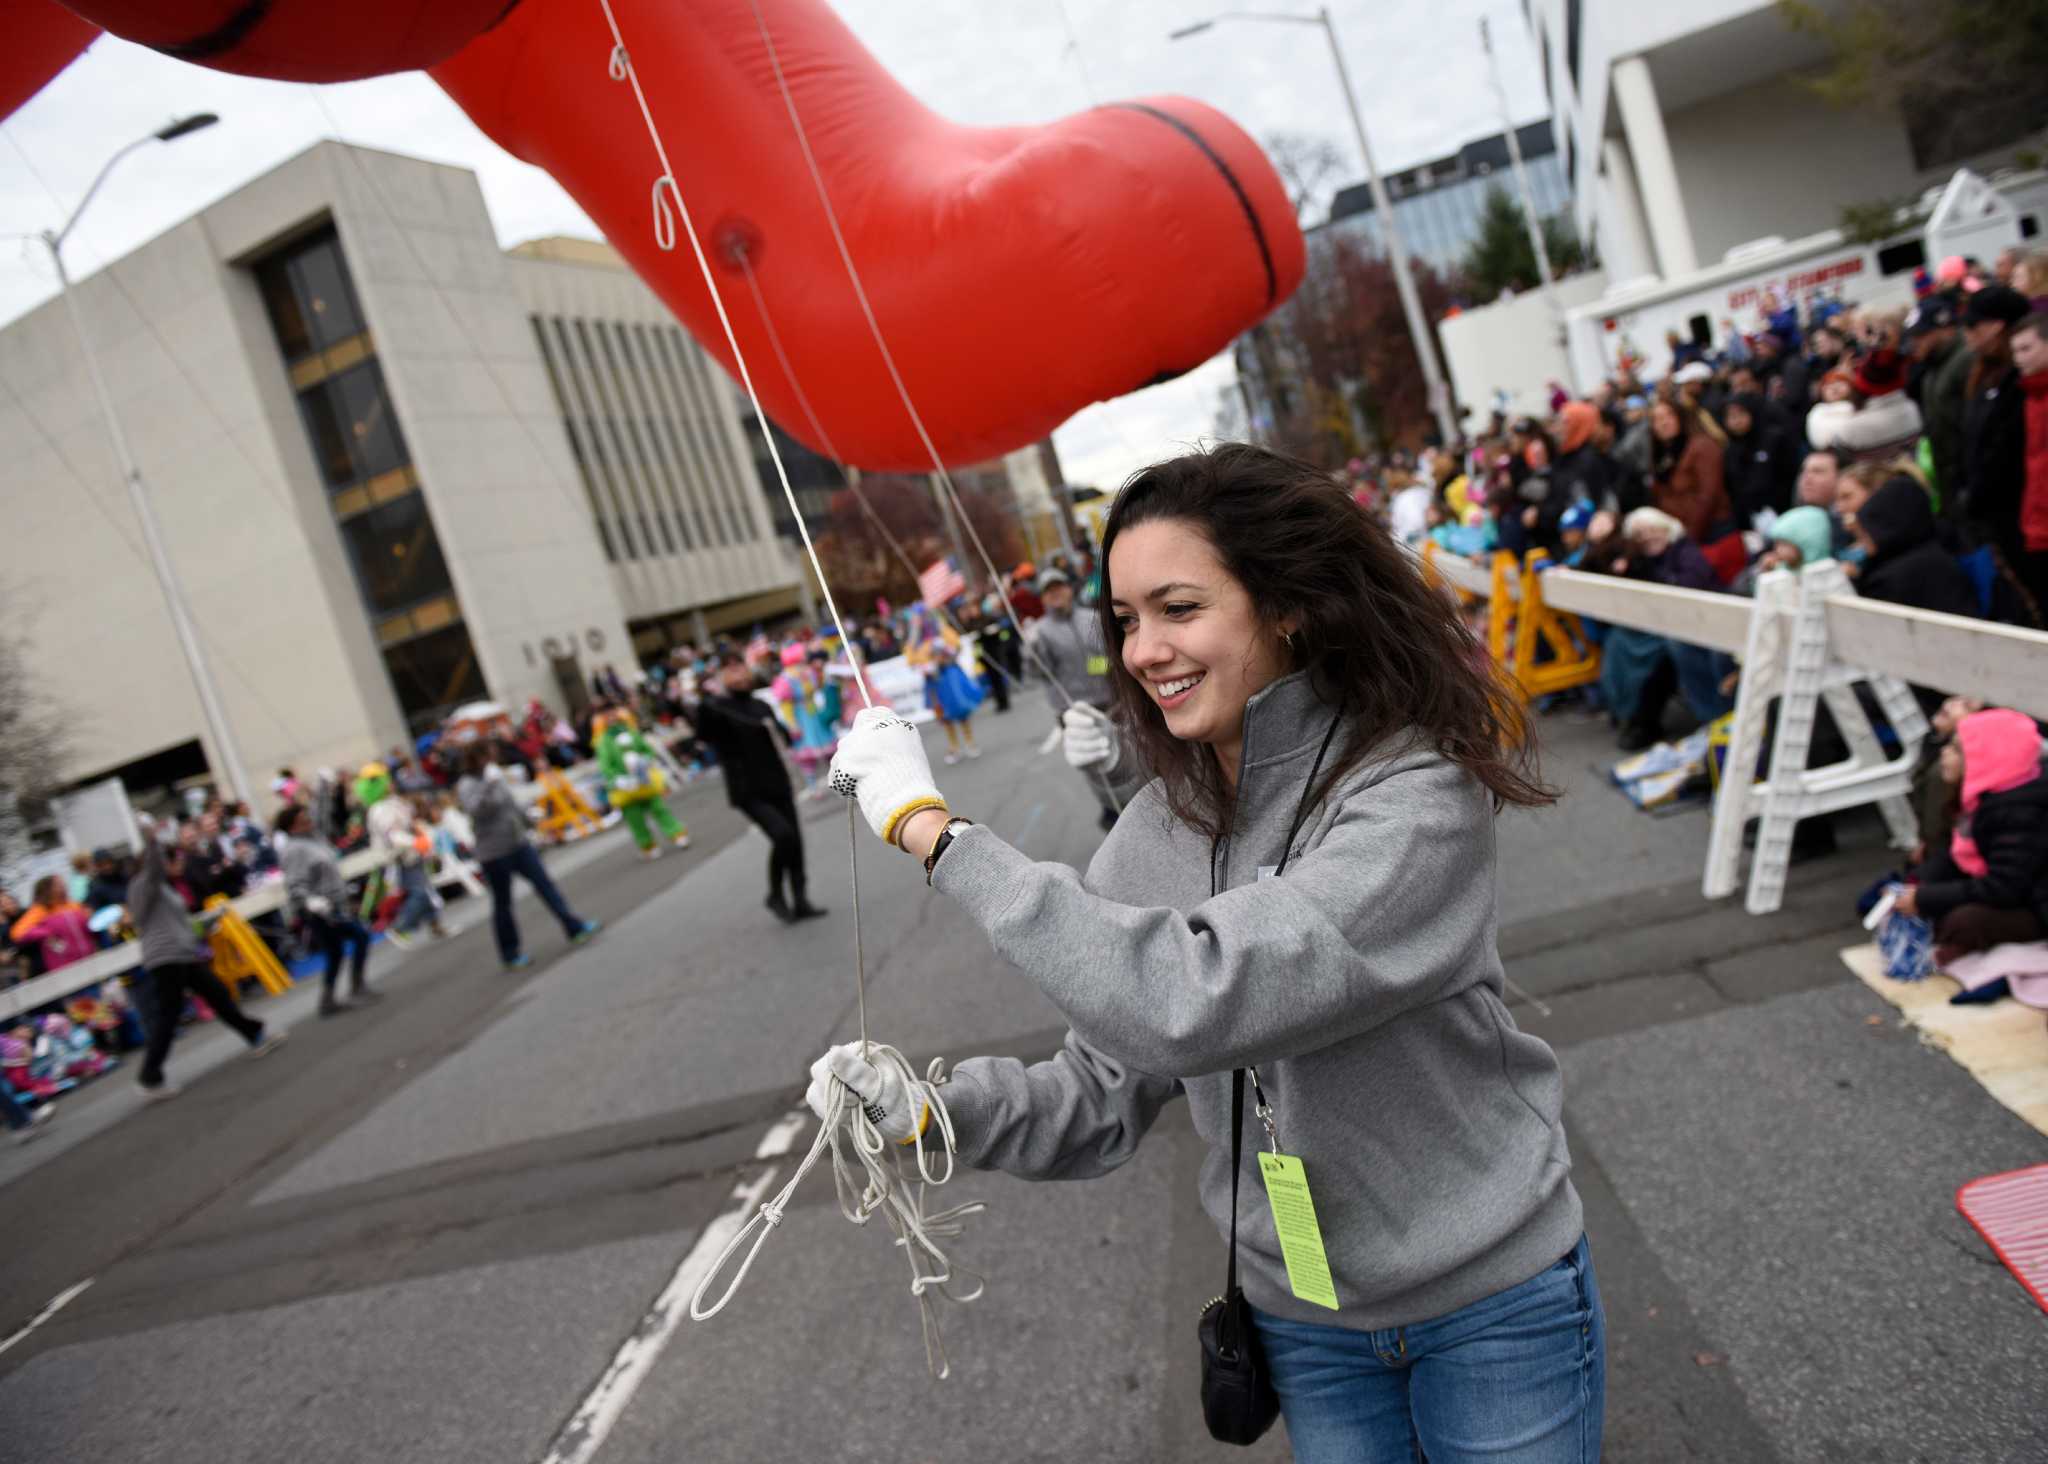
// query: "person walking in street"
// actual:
[[1305, 895], [176, 961], [25, 1123], [504, 850], [1068, 645], [748, 738], [952, 696], [393, 828], [316, 894]]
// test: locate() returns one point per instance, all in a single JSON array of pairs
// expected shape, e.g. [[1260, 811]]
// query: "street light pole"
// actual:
[[1529, 215], [233, 770], [1397, 248]]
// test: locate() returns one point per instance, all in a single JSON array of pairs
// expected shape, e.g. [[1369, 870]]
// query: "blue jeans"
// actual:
[[525, 862], [1518, 1378], [419, 898]]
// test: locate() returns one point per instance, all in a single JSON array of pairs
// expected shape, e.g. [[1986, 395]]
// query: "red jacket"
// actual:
[[2034, 507]]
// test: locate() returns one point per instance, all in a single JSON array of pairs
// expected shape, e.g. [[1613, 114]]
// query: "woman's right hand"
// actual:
[[1088, 739]]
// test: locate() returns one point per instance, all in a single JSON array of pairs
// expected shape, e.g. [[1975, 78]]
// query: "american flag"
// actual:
[[940, 583]]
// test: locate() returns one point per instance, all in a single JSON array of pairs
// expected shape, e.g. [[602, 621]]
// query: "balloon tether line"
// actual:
[[886, 1188], [867, 311]]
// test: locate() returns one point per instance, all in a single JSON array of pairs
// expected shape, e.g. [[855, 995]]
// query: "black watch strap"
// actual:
[[942, 844]]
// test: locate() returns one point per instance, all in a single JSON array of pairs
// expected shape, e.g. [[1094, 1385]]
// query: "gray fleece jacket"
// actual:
[[163, 925], [1067, 646], [311, 869], [1364, 984]]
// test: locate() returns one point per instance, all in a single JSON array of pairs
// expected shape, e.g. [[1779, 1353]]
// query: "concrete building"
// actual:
[[1439, 203], [398, 469], [1686, 131]]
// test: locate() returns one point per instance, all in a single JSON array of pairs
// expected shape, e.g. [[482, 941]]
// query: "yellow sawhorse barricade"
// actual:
[[1517, 622], [239, 953], [565, 813]]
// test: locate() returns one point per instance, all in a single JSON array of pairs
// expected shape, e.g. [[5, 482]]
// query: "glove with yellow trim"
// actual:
[[881, 764], [880, 1090]]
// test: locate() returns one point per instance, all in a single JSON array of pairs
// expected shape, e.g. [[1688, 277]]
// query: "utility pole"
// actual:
[[1529, 215]]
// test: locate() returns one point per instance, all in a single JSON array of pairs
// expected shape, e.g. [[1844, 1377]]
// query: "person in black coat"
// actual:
[[1994, 462], [1762, 458], [1904, 562], [749, 739]]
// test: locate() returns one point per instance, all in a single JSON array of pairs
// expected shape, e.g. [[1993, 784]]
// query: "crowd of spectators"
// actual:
[[1909, 444]]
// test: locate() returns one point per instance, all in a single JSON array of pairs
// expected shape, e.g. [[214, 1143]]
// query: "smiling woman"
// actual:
[[1303, 896]]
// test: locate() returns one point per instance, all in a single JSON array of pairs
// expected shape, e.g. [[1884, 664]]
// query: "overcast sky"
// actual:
[[1420, 74]]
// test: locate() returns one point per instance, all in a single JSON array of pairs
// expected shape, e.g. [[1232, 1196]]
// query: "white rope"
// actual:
[[878, 1186], [619, 67], [886, 1189], [867, 310]]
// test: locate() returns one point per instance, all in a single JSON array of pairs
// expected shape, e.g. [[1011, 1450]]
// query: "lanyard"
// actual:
[[1261, 1107]]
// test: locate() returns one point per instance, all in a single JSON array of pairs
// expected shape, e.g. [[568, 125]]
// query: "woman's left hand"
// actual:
[[881, 764]]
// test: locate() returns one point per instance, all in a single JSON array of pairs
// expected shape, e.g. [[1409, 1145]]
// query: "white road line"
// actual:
[[592, 1423], [63, 1299]]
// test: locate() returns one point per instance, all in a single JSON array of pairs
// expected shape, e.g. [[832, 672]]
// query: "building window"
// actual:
[[382, 519], [354, 429], [397, 556], [311, 299], [433, 674], [1573, 15]]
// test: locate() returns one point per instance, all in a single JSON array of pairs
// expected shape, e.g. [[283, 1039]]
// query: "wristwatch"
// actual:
[[944, 842]]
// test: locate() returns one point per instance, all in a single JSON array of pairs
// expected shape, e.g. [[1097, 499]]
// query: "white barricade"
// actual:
[[1806, 639], [42, 990]]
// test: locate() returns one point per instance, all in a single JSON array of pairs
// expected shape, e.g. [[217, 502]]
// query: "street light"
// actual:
[[1397, 249], [236, 775]]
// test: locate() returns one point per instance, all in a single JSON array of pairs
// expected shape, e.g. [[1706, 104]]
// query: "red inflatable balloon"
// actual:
[[42, 39], [1019, 273], [299, 40]]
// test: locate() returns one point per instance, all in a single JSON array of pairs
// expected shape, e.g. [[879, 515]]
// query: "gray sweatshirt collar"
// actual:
[[1284, 721]]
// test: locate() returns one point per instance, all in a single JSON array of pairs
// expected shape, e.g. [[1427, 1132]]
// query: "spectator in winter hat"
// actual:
[[1885, 421], [1761, 458], [1801, 536], [1931, 337], [1904, 563]]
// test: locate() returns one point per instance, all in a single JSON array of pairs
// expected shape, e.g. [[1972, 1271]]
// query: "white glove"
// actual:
[[318, 905], [624, 785], [1091, 742], [881, 763], [881, 1092]]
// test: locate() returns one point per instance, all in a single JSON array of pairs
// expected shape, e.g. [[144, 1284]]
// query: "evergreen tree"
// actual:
[[1502, 258]]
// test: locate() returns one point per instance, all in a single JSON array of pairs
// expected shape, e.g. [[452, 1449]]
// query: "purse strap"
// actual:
[[1236, 1155]]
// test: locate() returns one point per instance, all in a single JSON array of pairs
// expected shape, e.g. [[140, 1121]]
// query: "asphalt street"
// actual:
[[454, 1226]]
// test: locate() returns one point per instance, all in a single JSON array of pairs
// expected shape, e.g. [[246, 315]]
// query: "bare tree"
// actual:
[[32, 737], [1310, 166]]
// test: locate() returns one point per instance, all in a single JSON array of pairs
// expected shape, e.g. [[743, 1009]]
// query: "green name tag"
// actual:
[[1294, 1219], [1098, 665]]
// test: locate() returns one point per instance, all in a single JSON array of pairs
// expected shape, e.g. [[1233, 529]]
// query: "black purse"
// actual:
[[1238, 1401]]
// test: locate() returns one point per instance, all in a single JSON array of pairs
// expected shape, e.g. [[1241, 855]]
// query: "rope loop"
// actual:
[[664, 215], [870, 1178], [620, 63]]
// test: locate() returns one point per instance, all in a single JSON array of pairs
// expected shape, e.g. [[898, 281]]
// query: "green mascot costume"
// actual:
[[634, 783]]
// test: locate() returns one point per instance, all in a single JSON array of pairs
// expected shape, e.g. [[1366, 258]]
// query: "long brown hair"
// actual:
[[1378, 641]]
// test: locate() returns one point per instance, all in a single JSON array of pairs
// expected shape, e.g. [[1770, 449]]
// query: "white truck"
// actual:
[[1631, 322]]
